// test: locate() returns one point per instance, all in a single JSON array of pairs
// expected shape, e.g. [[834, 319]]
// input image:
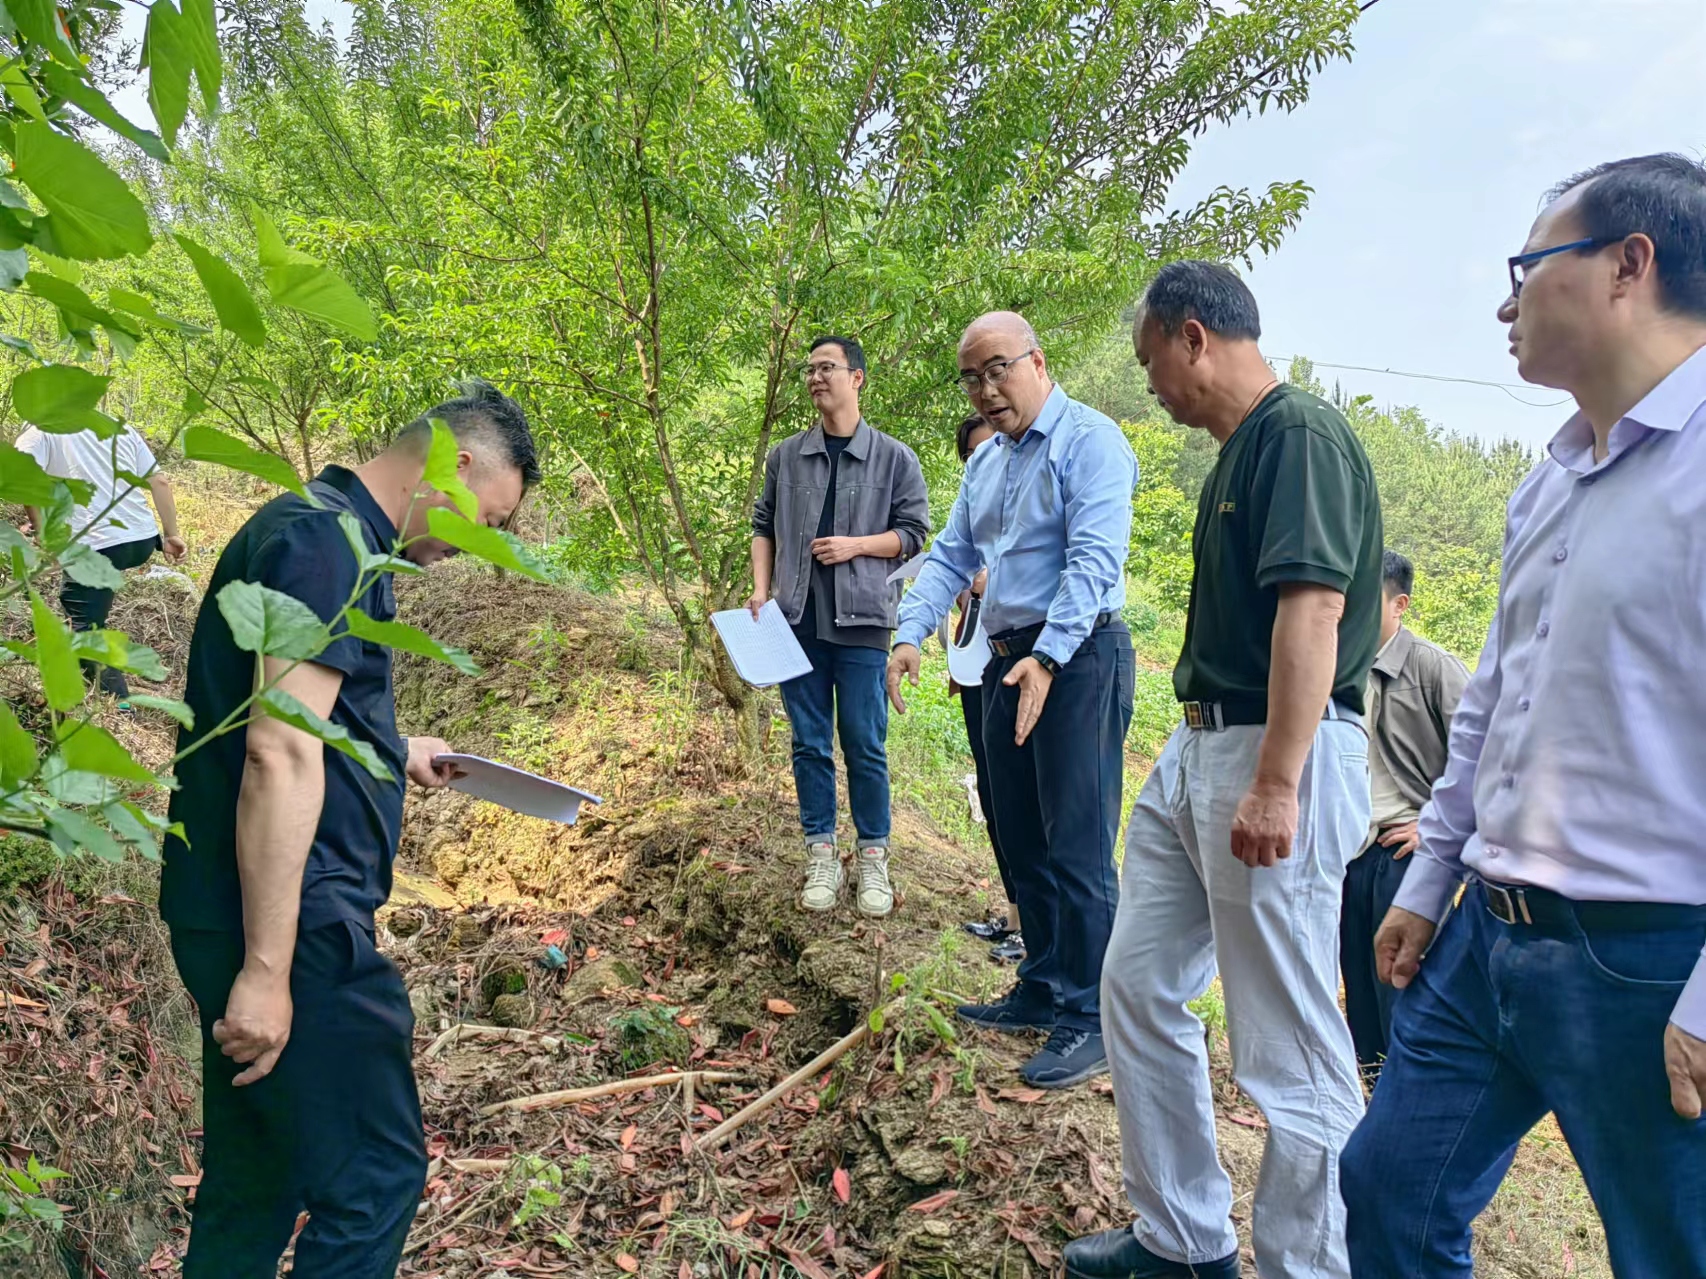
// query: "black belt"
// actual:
[[1551, 912], [1214, 716], [1020, 641]]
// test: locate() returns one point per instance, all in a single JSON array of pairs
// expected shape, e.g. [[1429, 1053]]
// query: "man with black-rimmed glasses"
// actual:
[[842, 505]]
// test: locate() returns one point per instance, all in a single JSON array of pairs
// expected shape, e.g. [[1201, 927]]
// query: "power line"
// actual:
[[1507, 387]]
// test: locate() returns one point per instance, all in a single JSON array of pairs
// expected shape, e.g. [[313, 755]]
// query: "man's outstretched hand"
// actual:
[[1033, 681], [905, 660], [1403, 939], [423, 768]]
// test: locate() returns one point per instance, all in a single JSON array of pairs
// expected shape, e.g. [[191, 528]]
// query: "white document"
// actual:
[[519, 791], [764, 652], [909, 570], [966, 661]]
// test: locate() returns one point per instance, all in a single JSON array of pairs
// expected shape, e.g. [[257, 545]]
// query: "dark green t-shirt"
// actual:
[[1291, 499]]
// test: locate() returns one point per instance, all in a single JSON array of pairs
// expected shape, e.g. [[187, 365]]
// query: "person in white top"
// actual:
[[115, 521]]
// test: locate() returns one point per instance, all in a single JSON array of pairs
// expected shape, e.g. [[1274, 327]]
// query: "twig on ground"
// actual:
[[467, 1030], [828, 1057], [567, 1097]]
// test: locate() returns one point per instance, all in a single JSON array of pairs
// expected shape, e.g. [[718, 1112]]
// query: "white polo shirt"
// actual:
[[81, 456]]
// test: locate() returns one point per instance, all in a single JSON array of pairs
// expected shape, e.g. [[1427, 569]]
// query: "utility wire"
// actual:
[[1509, 388]]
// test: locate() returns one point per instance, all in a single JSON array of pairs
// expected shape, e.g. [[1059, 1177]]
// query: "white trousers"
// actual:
[[1188, 907]]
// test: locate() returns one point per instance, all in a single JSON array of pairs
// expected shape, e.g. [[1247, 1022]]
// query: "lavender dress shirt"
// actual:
[[1578, 752]]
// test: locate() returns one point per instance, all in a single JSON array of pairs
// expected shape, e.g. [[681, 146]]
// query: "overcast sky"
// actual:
[[1429, 152]]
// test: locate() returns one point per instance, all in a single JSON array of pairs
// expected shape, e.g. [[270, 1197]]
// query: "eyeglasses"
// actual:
[[1521, 262], [993, 375], [825, 369]]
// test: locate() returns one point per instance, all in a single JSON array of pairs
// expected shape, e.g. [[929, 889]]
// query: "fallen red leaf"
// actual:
[[984, 1104], [1248, 1121], [628, 921], [554, 937], [710, 1112], [184, 1180], [876, 1272], [843, 1185], [686, 1271], [628, 1135], [592, 953], [627, 1263], [781, 1007], [741, 1218], [1029, 1096], [805, 1265], [934, 1201]]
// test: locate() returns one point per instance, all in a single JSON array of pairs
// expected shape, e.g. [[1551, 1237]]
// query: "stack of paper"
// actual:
[[765, 651], [514, 789]]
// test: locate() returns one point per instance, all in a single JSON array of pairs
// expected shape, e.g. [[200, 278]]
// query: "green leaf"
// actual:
[[61, 681], [400, 635], [62, 397], [305, 284], [442, 470], [70, 299], [22, 92], [495, 546], [263, 620], [116, 649], [232, 301], [68, 786], [200, 32], [38, 21], [23, 481], [124, 820], [179, 711], [204, 444], [93, 103], [875, 1021], [14, 266], [89, 748], [17, 748], [372, 561], [282, 706], [20, 345], [86, 566], [168, 59], [92, 211], [145, 310], [73, 831]]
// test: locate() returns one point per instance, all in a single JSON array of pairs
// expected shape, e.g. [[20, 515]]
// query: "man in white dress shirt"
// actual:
[[1570, 979]]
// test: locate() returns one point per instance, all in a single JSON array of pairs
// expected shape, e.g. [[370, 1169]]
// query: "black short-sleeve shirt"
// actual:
[[1291, 499], [301, 551]]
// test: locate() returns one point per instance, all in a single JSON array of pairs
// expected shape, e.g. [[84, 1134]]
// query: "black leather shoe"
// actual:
[[1013, 1012], [1116, 1254], [1070, 1057], [992, 929], [1010, 951]]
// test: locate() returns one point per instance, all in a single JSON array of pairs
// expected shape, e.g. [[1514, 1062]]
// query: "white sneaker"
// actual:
[[823, 877], [876, 893]]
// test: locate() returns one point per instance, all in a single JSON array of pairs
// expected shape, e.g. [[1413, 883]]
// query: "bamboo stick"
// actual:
[[467, 1030], [567, 1097], [828, 1057]]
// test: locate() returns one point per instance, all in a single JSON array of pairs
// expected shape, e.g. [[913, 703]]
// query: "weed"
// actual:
[[541, 1182], [1210, 1009], [25, 1207], [959, 1144], [529, 743], [650, 1034]]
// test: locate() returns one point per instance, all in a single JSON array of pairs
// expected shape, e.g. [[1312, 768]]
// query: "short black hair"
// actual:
[[483, 411], [1206, 292], [962, 435], [851, 351], [1662, 197], [1397, 574]]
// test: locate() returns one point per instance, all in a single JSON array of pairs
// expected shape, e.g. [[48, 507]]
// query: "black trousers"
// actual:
[[88, 606], [334, 1130], [971, 709], [1057, 813], [1371, 884]]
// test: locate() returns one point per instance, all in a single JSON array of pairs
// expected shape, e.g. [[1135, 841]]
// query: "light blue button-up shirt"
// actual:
[[1579, 745], [1050, 515]]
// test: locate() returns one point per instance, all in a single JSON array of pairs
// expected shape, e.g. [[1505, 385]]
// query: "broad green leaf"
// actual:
[[86, 566], [179, 711], [20, 345], [11, 540], [61, 681], [232, 301], [62, 397], [167, 58], [93, 103], [119, 651], [304, 284], [132, 829], [92, 211], [72, 831], [204, 444], [875, 1021], [11, 197], [68, 786], [38, 22], [281, 705], [372, 561], [22, 92], [200, 33], [17, 748], [23, 481], [89, 748], [14, 266], [441, 470], [409, 639], [263, 620], [145, 310], [495, 546], [65, 295]]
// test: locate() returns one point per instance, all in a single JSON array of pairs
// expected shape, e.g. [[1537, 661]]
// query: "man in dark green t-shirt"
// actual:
[[1238, 844]]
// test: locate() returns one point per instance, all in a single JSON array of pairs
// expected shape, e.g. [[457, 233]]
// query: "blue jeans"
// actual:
[[1371, 883], [1503, 1024], [846, 689]]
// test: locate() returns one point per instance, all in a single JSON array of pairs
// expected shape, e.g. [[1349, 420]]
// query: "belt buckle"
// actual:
[[1508, 905], [1201, 715]]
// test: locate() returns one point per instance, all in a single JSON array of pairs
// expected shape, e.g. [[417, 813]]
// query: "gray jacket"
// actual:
[[879, 488], [1420, 685]]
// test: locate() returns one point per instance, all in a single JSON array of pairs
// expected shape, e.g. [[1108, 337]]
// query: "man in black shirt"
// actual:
[[309, 1098], [1238, 843], [842, 505]]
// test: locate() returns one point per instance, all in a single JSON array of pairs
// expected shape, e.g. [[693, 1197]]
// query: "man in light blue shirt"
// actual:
[[1047, 507]]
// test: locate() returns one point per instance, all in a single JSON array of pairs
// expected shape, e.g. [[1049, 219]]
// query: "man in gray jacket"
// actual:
[[842, 505], [1412, 693]]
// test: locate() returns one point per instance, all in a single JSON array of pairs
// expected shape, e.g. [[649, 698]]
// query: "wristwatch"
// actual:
[[1047, 663]]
